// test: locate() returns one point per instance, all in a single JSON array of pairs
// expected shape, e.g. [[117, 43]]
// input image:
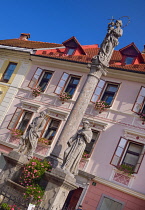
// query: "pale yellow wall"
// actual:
[[4, 67], [3, 90]]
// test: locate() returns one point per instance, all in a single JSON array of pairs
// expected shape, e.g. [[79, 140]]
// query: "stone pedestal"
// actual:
[[14, 161], [60, 183]]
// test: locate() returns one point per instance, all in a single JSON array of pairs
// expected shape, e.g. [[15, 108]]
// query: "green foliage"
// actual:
[[31, 175], [5, 206], [126, 169], [34, 191]]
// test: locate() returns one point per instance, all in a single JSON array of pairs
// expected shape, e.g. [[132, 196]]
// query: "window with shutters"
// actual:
[[139, 105], [105, 91], [109, 203], [40, 79], [51, 129], [20, 119], [9, 71], [128, 153], [68, 83]]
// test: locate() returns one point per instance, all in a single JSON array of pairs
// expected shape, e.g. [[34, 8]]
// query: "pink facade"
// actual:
[[119, 132]]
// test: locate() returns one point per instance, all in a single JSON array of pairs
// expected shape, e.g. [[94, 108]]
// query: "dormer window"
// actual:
[[70, 51], [129, 60]]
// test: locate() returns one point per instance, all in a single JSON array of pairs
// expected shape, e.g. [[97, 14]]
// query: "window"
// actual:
[[128, 60], [70, 51], [139, 105], [20, 119], [109, 93], [41, 78], [128, 153], [68, 83], [51, 129], [9, 71], [24, 121], [108, 203], [90, 146], [132, 154], [105, 91]]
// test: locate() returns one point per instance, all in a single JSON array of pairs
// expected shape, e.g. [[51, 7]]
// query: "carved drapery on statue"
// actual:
[[76, 147], [28, 141], [109, 43]]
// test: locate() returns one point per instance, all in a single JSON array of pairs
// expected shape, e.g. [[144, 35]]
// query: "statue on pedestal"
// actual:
[[109, 43], [76, 147], [28, 141]]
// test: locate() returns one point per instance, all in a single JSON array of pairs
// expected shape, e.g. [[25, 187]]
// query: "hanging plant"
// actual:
[[31, 175], [86, 155], [64, 96], [101, 106], [44, 141], [126, 169], [36, 91], [16, 133]]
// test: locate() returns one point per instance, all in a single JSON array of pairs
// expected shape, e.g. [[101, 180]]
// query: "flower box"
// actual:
[[101, 106], [36, 91], [64, 96]]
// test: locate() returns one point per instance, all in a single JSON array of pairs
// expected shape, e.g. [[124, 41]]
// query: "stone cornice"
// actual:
[[120, 188]]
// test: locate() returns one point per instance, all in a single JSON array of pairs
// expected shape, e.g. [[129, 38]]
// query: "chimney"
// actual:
[[24, 36]]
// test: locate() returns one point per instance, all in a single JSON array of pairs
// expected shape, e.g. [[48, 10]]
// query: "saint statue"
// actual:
[[28, 141], [109, 43], [76, 147]]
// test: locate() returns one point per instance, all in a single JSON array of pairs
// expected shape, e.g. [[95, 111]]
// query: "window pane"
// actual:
[[129, 60], [108, 99], [98, 91], [58, 90], [109, 204], [52, 128], [119, 151], [71, 87], [70, 51], [44, 80], [101, 83], [112, 88], [135, 148], [24, 121], [10, 69], [122, 143], [61, 83], [130, 159], [65, 76], [94, 98]]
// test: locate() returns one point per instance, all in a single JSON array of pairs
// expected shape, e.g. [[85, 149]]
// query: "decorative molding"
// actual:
[[97, 125], [135, 136], [31, 106], [57, 113], [120, 188]]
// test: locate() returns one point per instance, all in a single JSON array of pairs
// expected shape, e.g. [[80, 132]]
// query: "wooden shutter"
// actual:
[[35, 78], [139, 160], [119, 151], [98, 91], [61, 83], [15, 118], [139, 101]]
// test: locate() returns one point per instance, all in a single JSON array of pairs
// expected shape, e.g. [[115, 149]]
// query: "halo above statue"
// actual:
[[122, 18]]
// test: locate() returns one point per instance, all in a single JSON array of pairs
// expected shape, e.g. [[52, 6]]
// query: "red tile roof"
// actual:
[[90, 51], [28, 44]]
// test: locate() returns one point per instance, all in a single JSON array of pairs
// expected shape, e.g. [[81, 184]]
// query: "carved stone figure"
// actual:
[[76, 146], [28, 141], [109, 43]]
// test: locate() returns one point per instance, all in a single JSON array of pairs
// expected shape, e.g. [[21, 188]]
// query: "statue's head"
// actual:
[[86, 124], [119, 22], [42, 114]]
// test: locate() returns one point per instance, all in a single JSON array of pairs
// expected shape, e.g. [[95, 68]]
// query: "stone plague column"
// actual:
[[97, 68], [62, 178]]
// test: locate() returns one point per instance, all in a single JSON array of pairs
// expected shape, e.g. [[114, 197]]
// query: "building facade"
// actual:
[[111, 174]]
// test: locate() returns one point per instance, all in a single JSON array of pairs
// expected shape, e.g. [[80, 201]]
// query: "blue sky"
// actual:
[[57, 20]]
